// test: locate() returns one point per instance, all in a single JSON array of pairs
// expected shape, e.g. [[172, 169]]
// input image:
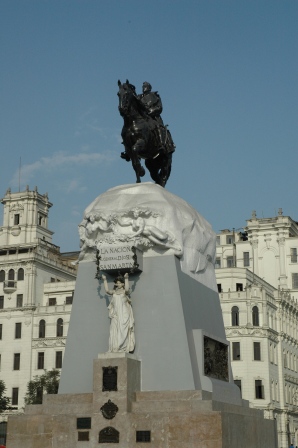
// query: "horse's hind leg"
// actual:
[[153, 168], [166, 169]]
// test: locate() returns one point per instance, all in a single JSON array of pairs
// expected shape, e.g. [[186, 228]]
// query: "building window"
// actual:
[[245, 258], [1, 302], [58, 363], [59, 328], [21, 274], [230, 262], [285, 360], [83, 436], [257, 351], [239, 286], [84, 423], [295, 281], [16, 361], [238, 383], [259, 390], [42, 329], [235, 316], [218, 240], [236, 351], [19, 300], [143, 436], [52, 301], [1, 331], [217, 263], [11, 278], [230, 239], [40, 360], [255, 316], [219, 287], [15, 396], [2, 276], [294, 257], [69, 300], [18, 330], [16, 219]]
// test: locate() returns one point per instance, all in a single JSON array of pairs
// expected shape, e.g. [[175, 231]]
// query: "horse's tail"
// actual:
[[169, 144]]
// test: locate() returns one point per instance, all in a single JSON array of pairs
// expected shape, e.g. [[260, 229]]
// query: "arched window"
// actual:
[[11, 278], [235, 316], [255, 316], [42, 329], [59, 331], [2, 276], [21, 274]]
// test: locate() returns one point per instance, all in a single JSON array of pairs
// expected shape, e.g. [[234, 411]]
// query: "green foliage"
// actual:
[[4, 401], [46, 383]]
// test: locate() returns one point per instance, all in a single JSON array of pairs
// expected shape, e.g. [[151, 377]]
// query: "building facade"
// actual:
[[36, 289], [257, 273]]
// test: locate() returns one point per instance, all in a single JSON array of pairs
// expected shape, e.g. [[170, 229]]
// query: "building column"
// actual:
[[282, 261], [255, 254], [31, 280]]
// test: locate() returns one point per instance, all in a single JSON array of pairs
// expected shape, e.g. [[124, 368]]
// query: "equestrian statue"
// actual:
[[144, 134]]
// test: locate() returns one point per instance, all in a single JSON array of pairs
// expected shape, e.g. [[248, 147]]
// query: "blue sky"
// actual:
[[227, 74]]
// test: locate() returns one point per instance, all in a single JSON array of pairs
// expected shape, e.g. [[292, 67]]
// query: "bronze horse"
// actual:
[[141, 138]]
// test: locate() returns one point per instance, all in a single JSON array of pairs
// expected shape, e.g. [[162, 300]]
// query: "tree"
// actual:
[[46, 383], [4, 401]]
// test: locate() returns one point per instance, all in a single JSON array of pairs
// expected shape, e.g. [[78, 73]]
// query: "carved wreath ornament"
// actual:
[[109, 410]]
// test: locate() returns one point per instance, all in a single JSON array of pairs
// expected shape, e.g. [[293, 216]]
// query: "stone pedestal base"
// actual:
[[126, 417]]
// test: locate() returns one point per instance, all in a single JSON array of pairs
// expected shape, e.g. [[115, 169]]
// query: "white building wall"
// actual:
[[46, 272], [266, 274]]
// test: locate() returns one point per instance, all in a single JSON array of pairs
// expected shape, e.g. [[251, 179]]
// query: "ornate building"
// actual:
[[257, 276], [36, 289]]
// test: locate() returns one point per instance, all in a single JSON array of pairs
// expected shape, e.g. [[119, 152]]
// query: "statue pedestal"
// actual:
[[173, 315], [128, 416], [176, 389]]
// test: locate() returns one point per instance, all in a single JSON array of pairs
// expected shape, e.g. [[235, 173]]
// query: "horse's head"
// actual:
[[126, 95]]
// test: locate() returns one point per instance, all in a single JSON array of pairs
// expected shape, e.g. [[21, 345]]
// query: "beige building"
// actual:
[[36, 288], [257, 276]]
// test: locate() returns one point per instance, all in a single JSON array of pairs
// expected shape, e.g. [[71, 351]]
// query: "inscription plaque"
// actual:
[[109, 378], [84, 423], [143, 436], [108, 435], [109, 410], [114, 257], [216, 359]]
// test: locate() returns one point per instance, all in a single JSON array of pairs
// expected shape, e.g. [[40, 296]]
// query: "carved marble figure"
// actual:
[[122, 337], [155, 235], [144, 134]]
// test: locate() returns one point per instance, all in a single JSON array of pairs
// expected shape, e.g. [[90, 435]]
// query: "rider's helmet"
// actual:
[[146, 87]]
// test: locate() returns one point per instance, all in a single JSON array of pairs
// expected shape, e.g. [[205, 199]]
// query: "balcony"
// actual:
[[9, 286]]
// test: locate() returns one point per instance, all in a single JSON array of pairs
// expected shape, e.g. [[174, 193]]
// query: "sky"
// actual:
[[226, 71]]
